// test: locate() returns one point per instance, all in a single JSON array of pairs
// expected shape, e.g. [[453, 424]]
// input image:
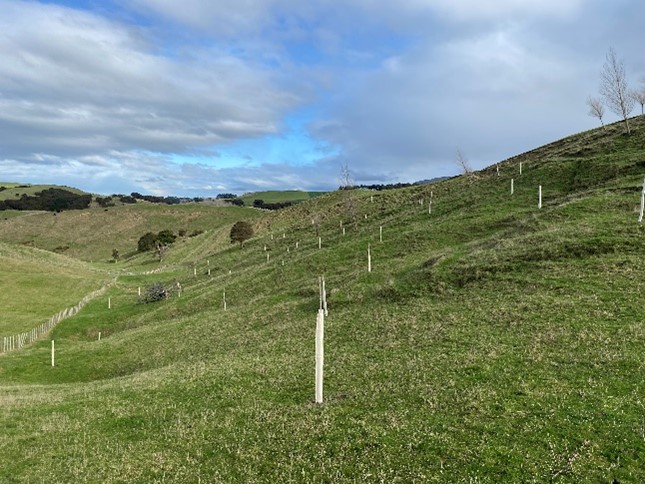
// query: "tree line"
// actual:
[[51, 199]]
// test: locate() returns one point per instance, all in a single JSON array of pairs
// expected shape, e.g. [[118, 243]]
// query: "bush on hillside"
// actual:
[[148, 241], [166, 237], [155, 292], [241, 232]]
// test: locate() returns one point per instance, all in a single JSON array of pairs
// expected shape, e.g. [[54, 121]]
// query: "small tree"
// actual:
[[166, 237], [347, 185], [147, 242], [639, 97], [463, 163], [241, 232], [596, 109], [614, 88]]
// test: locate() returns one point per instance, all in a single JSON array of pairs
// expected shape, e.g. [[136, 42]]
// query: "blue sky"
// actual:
[[200, 97]]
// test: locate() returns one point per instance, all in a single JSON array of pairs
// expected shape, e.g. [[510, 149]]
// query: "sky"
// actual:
[[200, 97]]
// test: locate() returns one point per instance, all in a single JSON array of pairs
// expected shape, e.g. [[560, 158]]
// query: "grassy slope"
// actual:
[[15, 190], [92, 234], [492, 342], [279, 196], [36, 284]]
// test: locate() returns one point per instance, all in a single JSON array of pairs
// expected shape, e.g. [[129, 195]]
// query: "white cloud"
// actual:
[[71, 81]]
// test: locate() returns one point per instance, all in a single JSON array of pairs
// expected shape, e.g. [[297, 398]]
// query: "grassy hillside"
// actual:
[[492, 342], [35, 285], [16, 190], [279, 196], [92, 234]]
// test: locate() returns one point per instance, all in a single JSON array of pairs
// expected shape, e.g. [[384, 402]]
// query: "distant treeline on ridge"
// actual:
[[51, 199]]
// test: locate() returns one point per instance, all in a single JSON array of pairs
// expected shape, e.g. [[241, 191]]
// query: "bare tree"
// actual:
[[614, 88], [463, 163], [596, 109], [639, 97], [347, 185], [345, 177]]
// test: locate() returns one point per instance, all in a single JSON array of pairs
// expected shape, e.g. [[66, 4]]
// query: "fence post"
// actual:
[[640, 219], [53, 353], [320, 354], [540, 196]]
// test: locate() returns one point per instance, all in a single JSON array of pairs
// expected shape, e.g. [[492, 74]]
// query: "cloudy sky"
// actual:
[[199, 97]]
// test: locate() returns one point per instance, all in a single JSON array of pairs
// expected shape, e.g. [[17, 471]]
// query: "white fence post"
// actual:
[[369, 258], [512, 186], [540, 196], [640, 219], [320, 354], [53, 353], [380, 234]]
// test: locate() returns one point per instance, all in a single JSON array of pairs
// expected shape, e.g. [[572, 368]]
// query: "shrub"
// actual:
[[155, 292], [147, 242], [241, 232], [166, 237]]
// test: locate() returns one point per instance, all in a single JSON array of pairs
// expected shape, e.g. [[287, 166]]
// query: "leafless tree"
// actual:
[[463, 163], [614, 88], [596, 109], [639, 97], [347, 184], [345, 177]]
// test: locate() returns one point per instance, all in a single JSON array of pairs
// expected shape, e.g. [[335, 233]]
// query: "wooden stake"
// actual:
[[53, 353], [520, 167], [320, 242], [380, 234], [268, 254], [497, 167], [209, 272], [320, 354], [224, 298], [343, 230], [369, 258], [99, 336], [640, 219], [540, 196], [109, 303], [195, 271], [139, 290], [512, 186]]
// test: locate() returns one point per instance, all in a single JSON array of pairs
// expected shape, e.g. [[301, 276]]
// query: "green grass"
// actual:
[[279, 196], [493, 342], [92, 234], [16, 190], [35, 285]]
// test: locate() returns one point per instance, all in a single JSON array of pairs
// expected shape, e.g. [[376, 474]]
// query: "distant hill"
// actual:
[[10, 191], [294, 196]]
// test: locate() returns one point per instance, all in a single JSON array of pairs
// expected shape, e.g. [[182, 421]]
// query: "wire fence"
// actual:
[[15, 342]]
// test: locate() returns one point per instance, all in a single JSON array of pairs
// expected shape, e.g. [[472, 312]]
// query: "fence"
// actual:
[[15, 342]]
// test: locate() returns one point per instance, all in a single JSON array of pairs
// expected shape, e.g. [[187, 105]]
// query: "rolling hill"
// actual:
[[493, 340]]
